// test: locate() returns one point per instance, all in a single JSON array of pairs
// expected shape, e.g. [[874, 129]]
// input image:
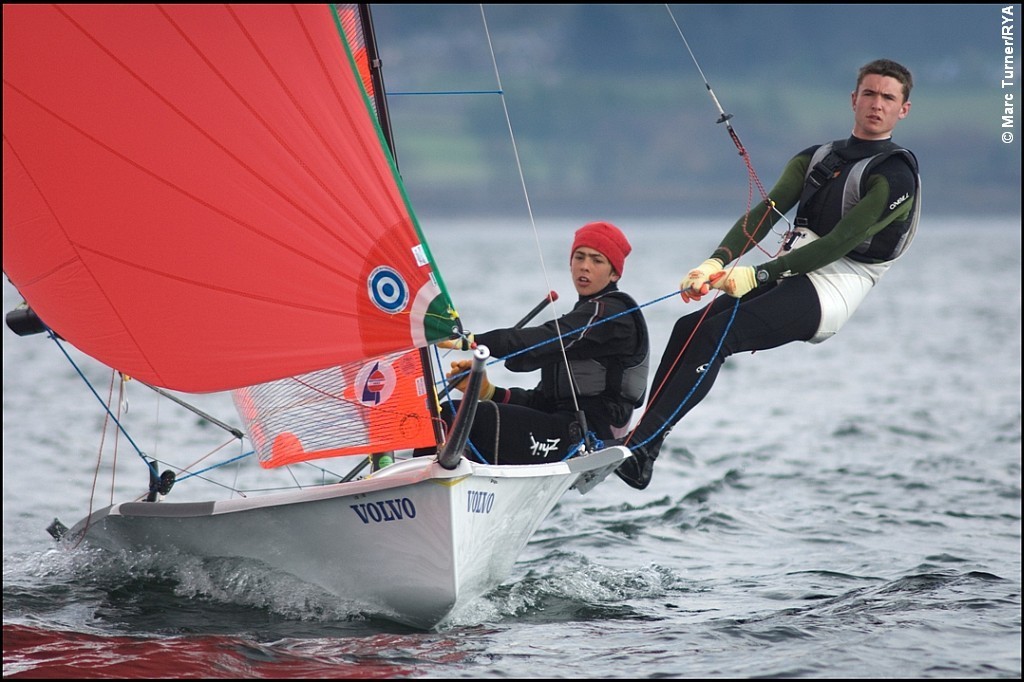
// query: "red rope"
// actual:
[[752, 181]]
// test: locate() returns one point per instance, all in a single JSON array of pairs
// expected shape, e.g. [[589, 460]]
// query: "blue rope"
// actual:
[[455, 379], [122, 429], [214, 466], [579, 446], [679, 407], [446, 92], [686, 399]]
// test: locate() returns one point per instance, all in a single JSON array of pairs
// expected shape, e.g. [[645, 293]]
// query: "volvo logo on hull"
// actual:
[[397, 509]]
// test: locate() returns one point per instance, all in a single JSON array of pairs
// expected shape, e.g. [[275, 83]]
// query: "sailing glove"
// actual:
[[460, 369], [695, 284], [467, 342], [738, 281]]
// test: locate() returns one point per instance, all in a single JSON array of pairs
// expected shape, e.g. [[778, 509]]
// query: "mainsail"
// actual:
[[199, 196]]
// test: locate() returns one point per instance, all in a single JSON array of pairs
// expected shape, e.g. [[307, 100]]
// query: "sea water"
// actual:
[[843, 510]]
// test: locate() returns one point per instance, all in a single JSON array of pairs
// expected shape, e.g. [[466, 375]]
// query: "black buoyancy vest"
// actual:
[[853, 163], [617, 378]]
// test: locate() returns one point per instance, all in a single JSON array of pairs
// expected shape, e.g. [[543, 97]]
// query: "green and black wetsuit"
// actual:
[[850, 236]]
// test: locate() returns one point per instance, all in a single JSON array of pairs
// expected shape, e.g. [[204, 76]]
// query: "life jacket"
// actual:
[[620, 379], [838, 164]]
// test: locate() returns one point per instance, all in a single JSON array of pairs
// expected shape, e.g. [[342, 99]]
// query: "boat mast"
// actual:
[[380, 99]]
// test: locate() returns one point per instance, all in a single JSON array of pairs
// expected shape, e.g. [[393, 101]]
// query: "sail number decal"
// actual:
[[386, 510], [478, 502], [388, 290]]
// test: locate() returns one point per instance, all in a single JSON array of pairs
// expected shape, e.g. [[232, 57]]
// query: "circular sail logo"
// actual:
[[388, 290], [375, 383]]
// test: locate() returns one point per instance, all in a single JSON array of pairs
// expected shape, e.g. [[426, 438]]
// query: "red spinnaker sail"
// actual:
[[200, 197]]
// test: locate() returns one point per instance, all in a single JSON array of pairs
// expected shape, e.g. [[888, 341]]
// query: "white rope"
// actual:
[[724, 118], [526, 196]]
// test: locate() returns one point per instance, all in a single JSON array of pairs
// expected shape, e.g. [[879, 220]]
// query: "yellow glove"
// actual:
[[737, 281], [462, 343], [461, 368], [695, 284]]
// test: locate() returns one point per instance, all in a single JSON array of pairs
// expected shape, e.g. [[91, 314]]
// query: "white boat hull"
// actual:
[[414, 542]]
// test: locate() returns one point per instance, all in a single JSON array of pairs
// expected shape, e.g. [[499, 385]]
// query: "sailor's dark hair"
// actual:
[[887, 67]]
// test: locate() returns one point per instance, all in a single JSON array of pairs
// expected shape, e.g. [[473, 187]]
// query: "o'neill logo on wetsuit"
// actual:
[[899, 201], [385, 510]]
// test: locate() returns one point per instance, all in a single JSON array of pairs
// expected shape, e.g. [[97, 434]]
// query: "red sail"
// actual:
[[376, 405], [352, 28], [200, 197]]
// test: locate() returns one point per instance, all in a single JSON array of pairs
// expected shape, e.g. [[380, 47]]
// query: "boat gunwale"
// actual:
[[405, 473]]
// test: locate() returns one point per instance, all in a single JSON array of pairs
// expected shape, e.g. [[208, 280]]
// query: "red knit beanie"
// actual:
[[607, 239]]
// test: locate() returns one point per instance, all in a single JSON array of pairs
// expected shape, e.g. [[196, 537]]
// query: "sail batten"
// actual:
[[198, 195]]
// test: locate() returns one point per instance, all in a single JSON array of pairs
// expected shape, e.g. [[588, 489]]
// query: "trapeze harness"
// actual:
[[843, 284]]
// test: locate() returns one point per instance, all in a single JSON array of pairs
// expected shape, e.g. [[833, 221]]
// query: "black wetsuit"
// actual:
[[606, 343]]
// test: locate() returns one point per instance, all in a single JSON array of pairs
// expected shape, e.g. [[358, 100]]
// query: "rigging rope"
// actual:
[[184, 472], [526, 196], [753, 181], [725, 118]]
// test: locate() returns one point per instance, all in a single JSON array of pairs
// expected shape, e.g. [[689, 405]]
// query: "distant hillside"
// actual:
[[610, 112]]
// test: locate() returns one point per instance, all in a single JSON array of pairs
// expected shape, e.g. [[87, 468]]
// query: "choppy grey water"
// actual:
[[846, 510]]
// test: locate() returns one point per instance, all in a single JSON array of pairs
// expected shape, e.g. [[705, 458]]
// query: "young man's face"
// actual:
[[591, 271], [877, 106]]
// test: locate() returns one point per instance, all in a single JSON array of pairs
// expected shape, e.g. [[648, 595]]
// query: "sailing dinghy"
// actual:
[[203, 199]]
